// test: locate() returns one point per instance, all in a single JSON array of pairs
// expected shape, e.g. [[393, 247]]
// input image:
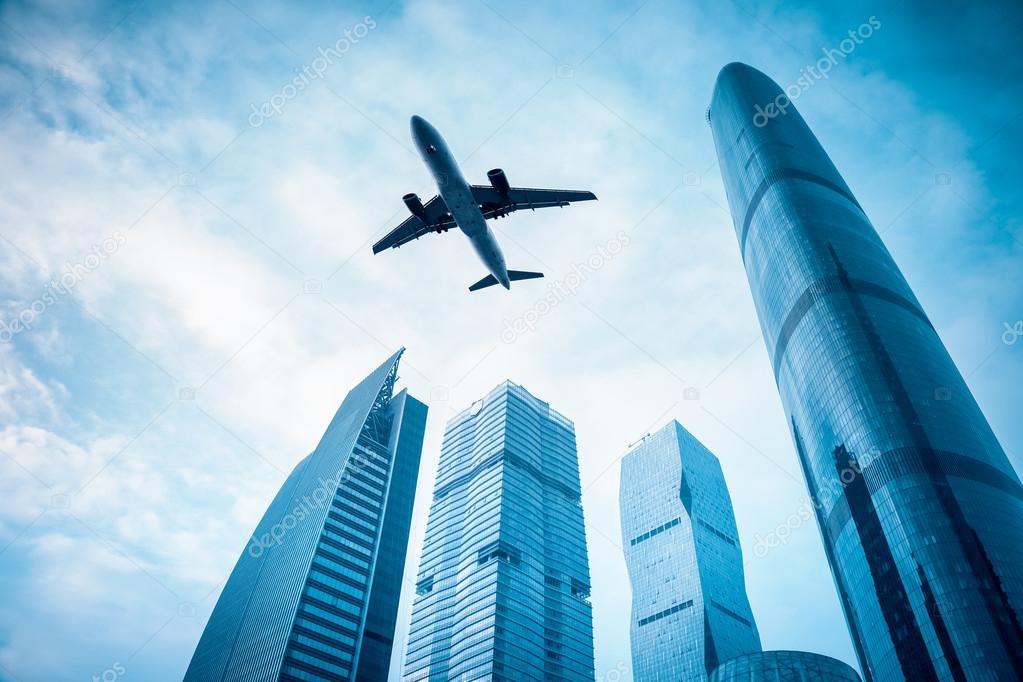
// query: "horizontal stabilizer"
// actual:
[[515, 275], [487, 281]]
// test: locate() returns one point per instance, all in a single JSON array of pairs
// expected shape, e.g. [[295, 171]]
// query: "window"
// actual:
[[499, 550], [666, 612]]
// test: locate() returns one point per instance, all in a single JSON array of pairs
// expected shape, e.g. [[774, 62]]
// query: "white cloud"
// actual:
[[22, 392]]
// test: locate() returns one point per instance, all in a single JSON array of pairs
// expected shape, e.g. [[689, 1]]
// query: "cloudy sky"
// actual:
[[187, 289]]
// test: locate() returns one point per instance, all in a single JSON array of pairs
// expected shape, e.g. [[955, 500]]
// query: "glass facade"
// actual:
[[503, 586], [689, 604], [784, 666], [920, 510], [315, 594]]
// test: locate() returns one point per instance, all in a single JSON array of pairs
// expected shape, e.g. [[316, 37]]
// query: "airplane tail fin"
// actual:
[[513, 275]]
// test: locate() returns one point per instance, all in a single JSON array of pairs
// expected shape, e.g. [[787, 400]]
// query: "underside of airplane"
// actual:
[[495, 200]]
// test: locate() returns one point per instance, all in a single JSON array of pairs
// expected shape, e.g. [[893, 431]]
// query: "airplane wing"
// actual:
[[435, 218], [494, 204]]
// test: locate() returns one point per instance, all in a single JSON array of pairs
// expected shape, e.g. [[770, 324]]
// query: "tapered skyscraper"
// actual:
[[920, 511], [314, 595], [689, 606], [503, 586]]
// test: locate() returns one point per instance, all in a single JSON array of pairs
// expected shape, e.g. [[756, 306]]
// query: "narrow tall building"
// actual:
[[503, 586], [315, 594], [920, 510], [689, 606]]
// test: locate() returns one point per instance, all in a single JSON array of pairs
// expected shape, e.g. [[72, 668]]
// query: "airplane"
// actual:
[[469, 206]]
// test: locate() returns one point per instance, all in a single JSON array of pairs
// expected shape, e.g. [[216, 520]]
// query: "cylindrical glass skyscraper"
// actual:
[[920, 510]]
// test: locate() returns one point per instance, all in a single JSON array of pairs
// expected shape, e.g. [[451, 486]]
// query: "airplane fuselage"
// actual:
[[458, 197]]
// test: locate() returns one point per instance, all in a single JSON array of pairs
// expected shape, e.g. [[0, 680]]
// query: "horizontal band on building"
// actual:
[[907, 461], [822, 288], [728, 612], [776, 176], [655, 531], [665, 613], [515, 460]]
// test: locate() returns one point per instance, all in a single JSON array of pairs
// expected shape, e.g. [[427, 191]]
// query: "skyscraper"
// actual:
[[689, 606], [920, 510], [314, 595], [503, 585]]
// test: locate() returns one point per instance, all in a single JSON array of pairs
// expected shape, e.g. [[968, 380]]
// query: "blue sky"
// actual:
[[225, 297]]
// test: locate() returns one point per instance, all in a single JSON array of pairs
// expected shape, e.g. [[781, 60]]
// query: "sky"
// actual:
[[187, 289]]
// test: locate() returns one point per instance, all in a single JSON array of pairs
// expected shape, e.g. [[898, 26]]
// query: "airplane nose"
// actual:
[[418, 125]]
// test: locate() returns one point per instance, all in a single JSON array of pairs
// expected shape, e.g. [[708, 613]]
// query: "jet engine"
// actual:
[[415, 205], [499, 181]]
